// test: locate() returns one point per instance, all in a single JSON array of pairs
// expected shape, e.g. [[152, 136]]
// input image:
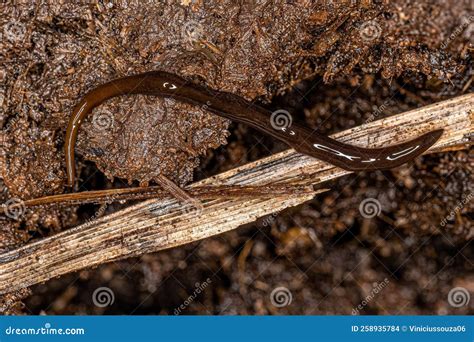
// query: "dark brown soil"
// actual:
[[333, 64]]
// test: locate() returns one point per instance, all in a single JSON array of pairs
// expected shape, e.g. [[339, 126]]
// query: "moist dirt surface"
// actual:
[[333, 65]]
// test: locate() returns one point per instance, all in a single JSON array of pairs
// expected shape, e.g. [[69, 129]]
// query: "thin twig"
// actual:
[[141, 193]]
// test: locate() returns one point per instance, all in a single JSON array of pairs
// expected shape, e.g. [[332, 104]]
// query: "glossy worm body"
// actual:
[[233, 107]]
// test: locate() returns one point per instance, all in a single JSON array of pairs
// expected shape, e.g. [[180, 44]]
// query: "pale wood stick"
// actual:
[[155, 225]]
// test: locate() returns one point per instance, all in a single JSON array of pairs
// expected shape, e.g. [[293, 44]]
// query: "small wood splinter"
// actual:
[[179, 193], [196, 193]]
